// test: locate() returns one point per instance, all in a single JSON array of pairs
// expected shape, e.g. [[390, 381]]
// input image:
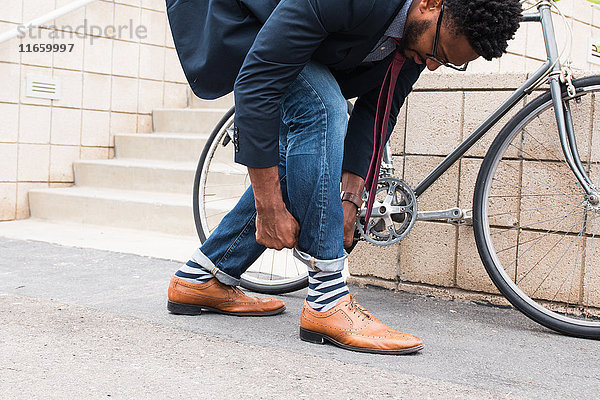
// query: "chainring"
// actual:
[[393, 215]]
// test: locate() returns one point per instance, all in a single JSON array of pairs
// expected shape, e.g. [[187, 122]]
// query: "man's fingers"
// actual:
[[296, 230], [348, 241], [259, 239], [283, 234], [294, 242], [296, 226]]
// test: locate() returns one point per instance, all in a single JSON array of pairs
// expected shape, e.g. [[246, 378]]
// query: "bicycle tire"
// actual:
[[248, 279], [520, 171], [202, 231]]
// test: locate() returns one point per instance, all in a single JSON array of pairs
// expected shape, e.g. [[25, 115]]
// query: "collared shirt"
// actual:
[[386, 45]]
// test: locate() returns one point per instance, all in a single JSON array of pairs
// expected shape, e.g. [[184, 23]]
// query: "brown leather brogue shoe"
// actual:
[[350, 326], [191, 298]]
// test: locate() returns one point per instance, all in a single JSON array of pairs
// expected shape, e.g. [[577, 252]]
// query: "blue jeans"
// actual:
[[311, 147]]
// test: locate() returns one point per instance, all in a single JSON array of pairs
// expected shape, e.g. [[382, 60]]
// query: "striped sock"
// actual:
[[193, 273], [325, 289]]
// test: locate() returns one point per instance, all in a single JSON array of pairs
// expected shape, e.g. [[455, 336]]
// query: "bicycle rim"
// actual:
[[219, 184], [537, 235]]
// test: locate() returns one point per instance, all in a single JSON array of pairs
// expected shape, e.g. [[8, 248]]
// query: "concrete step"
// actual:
[[160, 146], [187, 120], [169, 213], [132, 174], [155, 175], [179, 147]]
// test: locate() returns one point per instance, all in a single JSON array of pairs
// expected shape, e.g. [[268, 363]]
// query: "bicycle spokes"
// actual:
[[538, 230]]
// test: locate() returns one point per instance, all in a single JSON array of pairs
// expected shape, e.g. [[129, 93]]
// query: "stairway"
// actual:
[[146, 187]]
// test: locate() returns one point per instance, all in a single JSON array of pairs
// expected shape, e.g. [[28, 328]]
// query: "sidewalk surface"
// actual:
[[82, 323]]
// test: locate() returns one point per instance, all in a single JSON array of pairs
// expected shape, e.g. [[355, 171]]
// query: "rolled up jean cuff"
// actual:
[[199, 258], [317, 265]]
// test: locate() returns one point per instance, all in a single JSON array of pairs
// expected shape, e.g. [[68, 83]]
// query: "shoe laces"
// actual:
[[355, 307], [237, 290]]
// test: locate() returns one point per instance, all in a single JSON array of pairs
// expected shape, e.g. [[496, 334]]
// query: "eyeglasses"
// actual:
[[433, 56]]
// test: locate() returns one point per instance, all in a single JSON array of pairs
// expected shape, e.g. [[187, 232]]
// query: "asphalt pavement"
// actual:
[[83, 323]]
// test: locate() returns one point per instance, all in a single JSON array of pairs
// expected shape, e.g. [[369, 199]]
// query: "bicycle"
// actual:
[[523, 205]]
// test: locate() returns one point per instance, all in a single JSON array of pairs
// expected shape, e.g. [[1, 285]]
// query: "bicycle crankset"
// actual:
[[393, 215]]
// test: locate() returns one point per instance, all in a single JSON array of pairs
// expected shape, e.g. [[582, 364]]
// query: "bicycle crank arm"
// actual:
[[452, 215]]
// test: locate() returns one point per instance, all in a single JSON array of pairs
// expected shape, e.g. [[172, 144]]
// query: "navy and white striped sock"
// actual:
[[194, 273], [325, 289]]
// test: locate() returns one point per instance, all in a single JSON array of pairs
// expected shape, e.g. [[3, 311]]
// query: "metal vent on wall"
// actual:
[[43, 87]]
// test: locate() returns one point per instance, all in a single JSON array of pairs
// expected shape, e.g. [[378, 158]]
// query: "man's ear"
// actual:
[[429, 5]]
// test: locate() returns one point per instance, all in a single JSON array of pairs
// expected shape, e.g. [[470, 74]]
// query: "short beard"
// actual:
[[412, 32]]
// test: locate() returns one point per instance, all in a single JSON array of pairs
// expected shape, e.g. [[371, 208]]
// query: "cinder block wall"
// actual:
[[438, 257], [109, 85], [443, 109], [436, 117]]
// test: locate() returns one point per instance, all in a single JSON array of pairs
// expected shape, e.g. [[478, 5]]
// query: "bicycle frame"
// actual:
[[551, 68]]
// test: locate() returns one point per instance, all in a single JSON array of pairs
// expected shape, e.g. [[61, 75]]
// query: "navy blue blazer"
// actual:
[[258, 47]]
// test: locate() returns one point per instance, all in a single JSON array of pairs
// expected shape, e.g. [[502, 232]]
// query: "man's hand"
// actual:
[[276, 228], [353, 184], [349, 222]]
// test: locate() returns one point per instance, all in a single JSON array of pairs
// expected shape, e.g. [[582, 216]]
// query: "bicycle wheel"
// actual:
[[537, 235], [218, 184]]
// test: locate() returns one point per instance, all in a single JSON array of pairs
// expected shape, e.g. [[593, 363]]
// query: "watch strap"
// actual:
[[352, 198]]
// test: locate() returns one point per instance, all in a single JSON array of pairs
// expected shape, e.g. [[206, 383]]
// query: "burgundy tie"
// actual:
[[382, 116]]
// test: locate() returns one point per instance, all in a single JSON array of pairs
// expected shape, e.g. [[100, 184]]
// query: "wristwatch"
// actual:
[[352, 198]]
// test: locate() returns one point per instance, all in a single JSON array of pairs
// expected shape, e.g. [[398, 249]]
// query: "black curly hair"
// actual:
[[487, 24]]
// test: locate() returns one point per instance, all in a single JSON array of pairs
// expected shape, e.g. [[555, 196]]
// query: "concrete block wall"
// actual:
[[441, 112], [443, 109], [109, 85]]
